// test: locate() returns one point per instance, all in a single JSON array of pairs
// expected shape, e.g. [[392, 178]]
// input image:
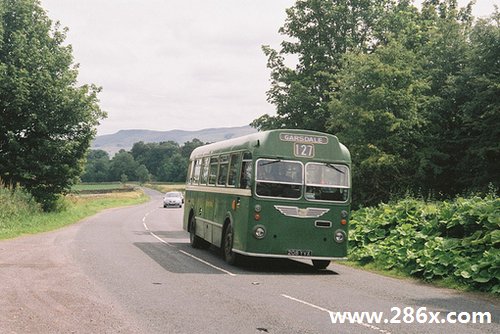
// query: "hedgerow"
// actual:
[[457, 240], [15, 203]]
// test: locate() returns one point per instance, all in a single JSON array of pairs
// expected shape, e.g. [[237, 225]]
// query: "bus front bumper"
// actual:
[[281, 256]]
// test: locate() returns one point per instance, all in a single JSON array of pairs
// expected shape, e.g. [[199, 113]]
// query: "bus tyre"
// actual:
[[227, 246], [194, 240], [320, 264]]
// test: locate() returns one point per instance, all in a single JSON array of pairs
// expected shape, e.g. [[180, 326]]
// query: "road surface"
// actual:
[[131, 270]]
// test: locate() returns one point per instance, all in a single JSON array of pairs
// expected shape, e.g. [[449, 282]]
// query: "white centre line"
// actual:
[[183, 252], [380, 330]]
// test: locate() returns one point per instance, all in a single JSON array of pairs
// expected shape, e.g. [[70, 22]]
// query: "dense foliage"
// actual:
[[457, 240], [14, 204], [46, 121], [413, 93], [165, 161]]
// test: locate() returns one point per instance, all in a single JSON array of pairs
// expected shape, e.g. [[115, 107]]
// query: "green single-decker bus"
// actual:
[[279, 194]]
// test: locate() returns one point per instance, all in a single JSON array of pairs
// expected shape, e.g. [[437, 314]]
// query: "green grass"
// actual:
[[20, 215], [101, 188], [97, 186]]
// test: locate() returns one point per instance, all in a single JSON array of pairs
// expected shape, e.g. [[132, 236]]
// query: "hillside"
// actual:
[[125, 139]]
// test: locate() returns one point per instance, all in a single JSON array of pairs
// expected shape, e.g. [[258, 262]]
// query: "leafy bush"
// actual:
[[458, 240], [14, 204]]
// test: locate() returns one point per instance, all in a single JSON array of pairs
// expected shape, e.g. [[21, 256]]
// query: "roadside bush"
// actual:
[[457, 240], [14, 204]]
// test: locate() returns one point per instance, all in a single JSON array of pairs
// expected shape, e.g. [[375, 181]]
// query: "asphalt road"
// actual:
[[131, 270]]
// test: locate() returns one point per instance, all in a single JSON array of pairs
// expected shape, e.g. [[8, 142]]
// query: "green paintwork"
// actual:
[[212, 205]]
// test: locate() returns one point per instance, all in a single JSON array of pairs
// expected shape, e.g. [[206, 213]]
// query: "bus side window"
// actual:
[[204, 170], [223, 170], [233, 169], [246, 171], [212, 174], [196, 169]]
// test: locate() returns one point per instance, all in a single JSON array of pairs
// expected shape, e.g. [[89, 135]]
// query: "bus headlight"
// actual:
[[259, 232], [340, 236]]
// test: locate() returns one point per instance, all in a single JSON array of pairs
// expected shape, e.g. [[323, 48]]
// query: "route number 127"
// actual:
[[304, 150]]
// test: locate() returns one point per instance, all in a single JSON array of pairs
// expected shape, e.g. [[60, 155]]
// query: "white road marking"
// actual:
[[380, 330], [181, 251], [306, 303], [207, 263], [160, 239]]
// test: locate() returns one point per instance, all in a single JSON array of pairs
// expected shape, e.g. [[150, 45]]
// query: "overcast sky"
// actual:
[[184, 64]]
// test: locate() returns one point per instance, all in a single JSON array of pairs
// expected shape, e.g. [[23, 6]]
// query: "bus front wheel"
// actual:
[[320, 264], [227, 246], [194, 240]]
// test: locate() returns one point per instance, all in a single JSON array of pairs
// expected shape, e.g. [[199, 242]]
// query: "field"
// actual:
[[99, 188], [165, 187]]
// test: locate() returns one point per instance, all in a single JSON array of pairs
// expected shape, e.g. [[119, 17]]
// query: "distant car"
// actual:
[[173, 199]]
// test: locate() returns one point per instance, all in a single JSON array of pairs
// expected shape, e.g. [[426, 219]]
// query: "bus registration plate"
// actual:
[[299, 252]]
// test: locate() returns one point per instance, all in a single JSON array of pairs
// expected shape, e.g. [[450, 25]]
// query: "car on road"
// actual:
[[173, 199]]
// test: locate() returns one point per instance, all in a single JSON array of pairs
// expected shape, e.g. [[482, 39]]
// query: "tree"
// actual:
[[398, 107], [322, 32], [478, 86], [123, 166], [154, 155], [189, 146], [378, 115], [143, 174], [46, 121], [445, 29], [175, 169], [97, 167]]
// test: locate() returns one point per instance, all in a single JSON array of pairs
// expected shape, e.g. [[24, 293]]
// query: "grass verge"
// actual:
[[166, 187], [20, 215]]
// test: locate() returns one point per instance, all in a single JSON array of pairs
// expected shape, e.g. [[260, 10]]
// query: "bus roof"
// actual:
[[279, 144]]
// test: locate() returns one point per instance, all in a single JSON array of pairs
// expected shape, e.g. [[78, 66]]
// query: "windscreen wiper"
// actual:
[[333, 167], [270, 162]]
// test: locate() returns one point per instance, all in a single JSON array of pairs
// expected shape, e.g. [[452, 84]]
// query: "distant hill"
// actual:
[[125, 139]]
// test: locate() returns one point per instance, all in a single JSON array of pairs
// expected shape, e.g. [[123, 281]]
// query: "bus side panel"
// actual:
[[241, 218], [222, 207], [187, 210], [208, 203], [195, 201]]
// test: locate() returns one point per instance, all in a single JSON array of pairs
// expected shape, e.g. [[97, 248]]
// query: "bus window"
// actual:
[[278, 178], [246, 171], [327, 182], [223, 170], [212, 175], [196, 169], [204, 170], [233, 169]]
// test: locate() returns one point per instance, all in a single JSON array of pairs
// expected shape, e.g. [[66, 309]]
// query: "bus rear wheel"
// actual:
[[321, 264], [194, 240], [227, 246]]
